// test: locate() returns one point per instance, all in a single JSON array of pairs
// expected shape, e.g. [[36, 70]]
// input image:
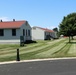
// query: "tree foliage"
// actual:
[[55, 29], [57, 32], [68, 25]]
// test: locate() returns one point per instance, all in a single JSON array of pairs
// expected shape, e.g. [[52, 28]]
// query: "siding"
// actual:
[[37, 34], [25, 27], [46, 33], [8, 36]]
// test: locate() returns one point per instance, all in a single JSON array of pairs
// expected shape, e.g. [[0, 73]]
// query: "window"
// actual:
[[28, 32], [1, 32], [23, 32], [13, 32]]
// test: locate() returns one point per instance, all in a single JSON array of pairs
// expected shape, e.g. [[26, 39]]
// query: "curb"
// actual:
[[34, 60]]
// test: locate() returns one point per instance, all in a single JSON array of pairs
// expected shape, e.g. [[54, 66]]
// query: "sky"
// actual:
[[42, 13]]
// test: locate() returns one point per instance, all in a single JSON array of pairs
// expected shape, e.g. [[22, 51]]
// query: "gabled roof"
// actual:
[[11, 24], [45, 29]]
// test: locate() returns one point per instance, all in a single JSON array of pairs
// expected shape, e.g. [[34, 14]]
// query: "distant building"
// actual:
[[14, 31], [39, 33]]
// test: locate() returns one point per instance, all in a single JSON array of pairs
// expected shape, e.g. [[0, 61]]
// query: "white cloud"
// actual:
[[4, 19]]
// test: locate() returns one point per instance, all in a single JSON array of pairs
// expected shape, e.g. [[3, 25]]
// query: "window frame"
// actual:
[[26, 33], [23, 32], [13, 32], [1, 32], [29, 32]]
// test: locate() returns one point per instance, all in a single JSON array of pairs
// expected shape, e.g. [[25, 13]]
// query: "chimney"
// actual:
[[26, 22], [0, 20], [13, 20]]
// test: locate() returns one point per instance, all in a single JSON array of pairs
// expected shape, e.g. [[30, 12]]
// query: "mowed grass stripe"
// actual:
[[51, 51], [13, 51], [11, 58], [43, 43], [32, 47], [63, 51], [10, 53], [11, 47], [24, 51], [8, 46], [72, 49], [31, 54]]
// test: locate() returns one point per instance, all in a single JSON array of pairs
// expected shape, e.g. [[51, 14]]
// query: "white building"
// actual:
[[14, 31], [39, 33]]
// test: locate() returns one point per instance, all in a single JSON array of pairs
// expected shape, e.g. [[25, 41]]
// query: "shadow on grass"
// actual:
[[30, 41], [72, 42], [27, 42]]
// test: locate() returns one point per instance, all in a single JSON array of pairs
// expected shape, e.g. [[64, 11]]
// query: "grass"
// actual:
[[41, 49]]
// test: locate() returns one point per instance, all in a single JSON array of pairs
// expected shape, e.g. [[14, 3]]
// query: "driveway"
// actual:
[[49, 67]]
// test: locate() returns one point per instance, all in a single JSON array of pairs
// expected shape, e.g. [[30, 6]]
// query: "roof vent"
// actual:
[[0, 20], [26, 22], [13, 20]]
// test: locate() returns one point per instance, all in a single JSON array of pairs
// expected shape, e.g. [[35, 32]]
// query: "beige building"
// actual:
[[39, 33]]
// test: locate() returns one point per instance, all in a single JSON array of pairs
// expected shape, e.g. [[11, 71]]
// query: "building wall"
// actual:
[[37, 34], [9, 38], [46, 33], [53, 34], [26, 27], [56, 35]]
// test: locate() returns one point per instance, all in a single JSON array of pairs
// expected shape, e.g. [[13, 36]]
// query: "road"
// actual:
[[50, 67]]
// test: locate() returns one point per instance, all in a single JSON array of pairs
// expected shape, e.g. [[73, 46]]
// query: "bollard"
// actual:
[[18, 58]]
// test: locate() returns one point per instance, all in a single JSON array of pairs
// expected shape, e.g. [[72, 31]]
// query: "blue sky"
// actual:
[[42, 13]]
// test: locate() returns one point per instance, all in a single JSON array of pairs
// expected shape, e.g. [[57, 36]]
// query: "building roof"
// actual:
[[46, 29], [11, 24]]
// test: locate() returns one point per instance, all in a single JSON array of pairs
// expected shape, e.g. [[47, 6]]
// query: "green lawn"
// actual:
[[41, 49]]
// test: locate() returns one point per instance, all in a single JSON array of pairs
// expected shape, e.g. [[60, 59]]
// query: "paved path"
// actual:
[[49, 67]]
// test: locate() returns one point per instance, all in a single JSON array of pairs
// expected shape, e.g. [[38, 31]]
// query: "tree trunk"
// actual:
[[72, 38]]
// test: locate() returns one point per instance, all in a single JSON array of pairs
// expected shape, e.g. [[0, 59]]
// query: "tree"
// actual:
[[68, 25], [56, 30]]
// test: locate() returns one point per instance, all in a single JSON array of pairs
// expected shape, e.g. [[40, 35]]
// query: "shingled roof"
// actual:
[[45, 29], [11, 24]]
